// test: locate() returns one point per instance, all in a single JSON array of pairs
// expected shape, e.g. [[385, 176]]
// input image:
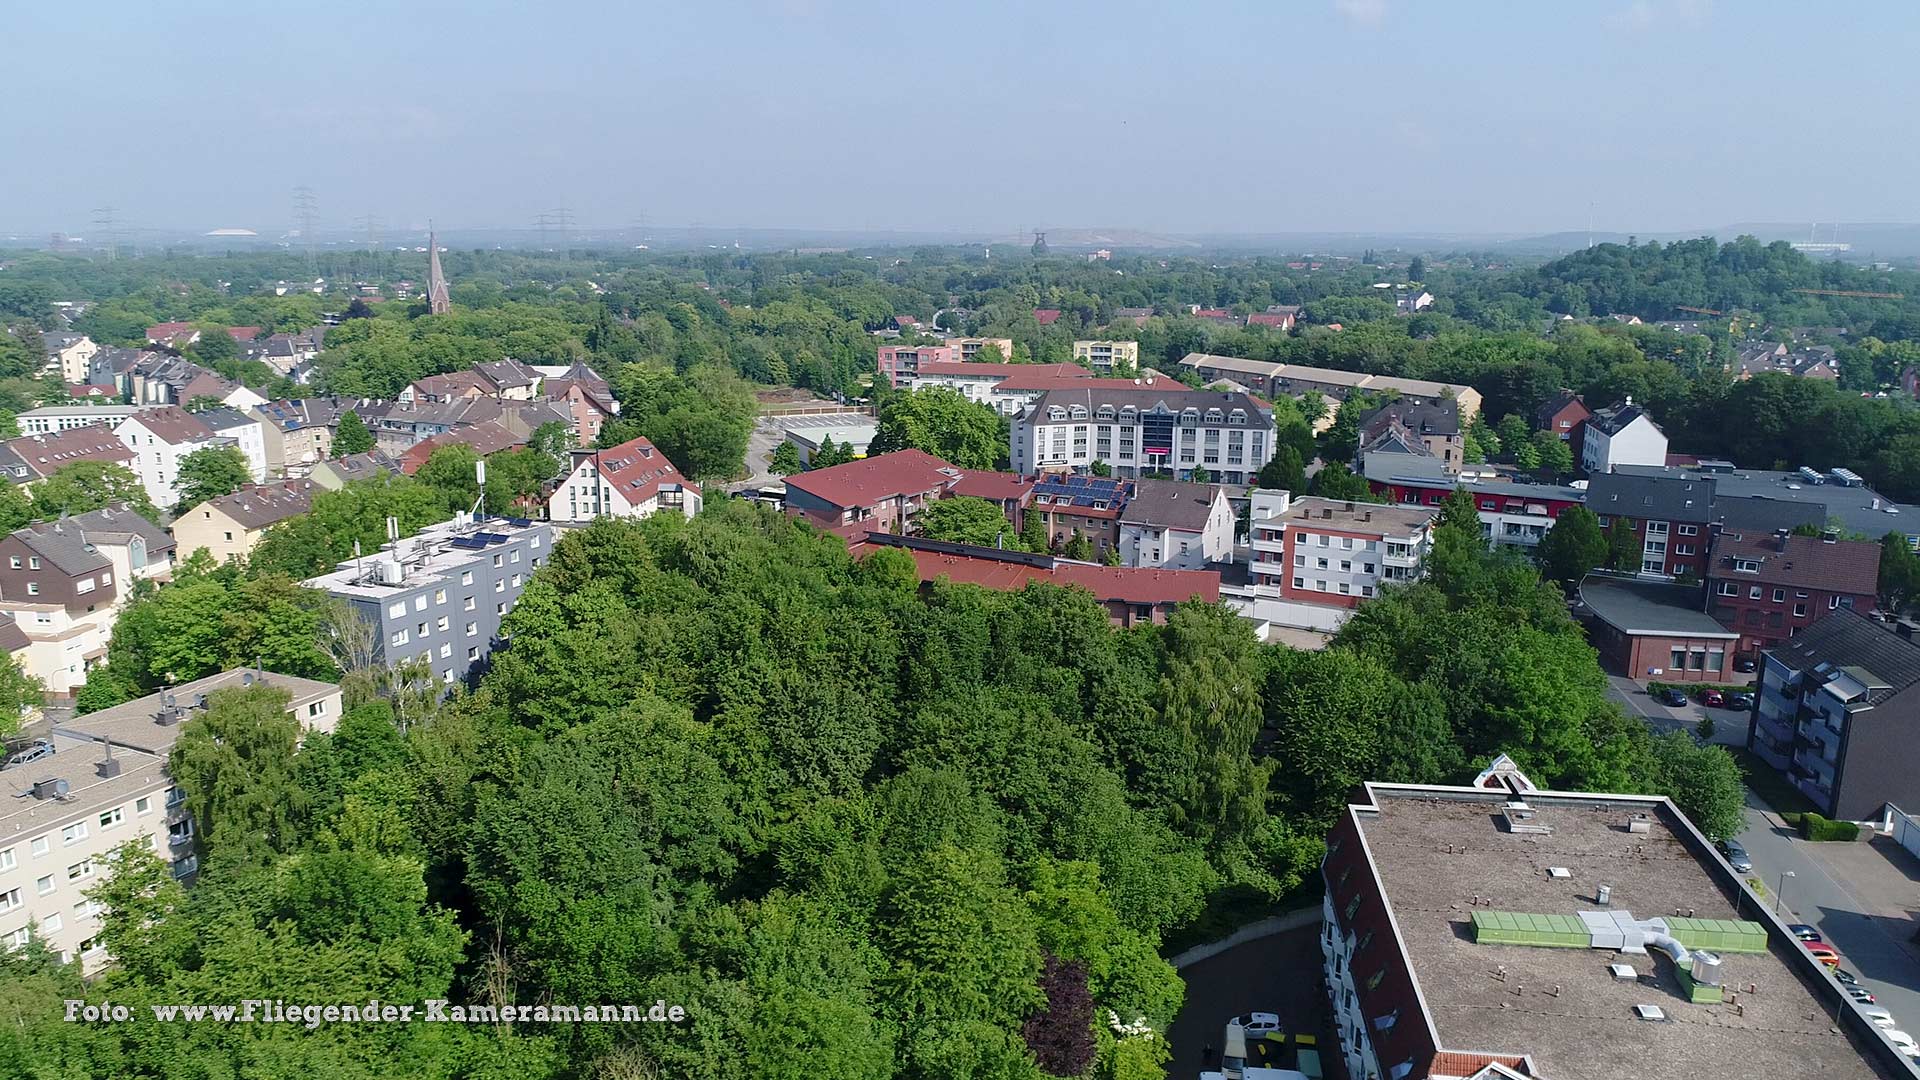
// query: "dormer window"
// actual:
[[1079, 412], [1237, 416], [1213, 416], [1105, 412], [1190, 416], [1055, 412], [1747, 566]]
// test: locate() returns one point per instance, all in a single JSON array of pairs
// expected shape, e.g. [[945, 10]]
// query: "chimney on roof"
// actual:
[[1780, 539], [107, 767]]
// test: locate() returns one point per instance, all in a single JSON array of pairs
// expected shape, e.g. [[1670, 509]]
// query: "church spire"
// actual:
[[437, 301]]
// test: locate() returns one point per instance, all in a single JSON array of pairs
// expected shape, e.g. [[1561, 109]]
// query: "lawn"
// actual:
[[1770, 784]]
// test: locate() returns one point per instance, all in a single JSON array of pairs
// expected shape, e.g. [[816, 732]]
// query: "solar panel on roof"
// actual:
[[491, 537]]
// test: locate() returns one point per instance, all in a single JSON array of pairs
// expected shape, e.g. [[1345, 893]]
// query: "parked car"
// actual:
[[1670, 696], [1899, 1038], [1712, 698], [1860, 994], [1804, 932], [1845, 977], [1743, 665], [33, 751], [1879, 1017], [1740, 699], [1258, 1025], [1824, 954], [1736, 854]]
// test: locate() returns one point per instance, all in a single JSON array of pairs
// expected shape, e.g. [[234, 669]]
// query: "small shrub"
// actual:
[[1815, 827]]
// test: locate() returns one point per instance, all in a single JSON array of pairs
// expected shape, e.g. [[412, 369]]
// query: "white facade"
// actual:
[[251, 439], [1231, 441], [1639, 443], [1179, 547], [61, 646], [70, 359], [242, 398], [986, 389], [586, 494], [157, 461], [51, 418], [1106, 356]]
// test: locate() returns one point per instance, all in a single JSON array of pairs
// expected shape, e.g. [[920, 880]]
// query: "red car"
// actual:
[[1712, 697], [1824, 954]]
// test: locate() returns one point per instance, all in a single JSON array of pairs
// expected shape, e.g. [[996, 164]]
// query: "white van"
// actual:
[[1233, 1052]]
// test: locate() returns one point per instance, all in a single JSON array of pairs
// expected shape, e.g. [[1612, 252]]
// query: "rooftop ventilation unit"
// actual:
[[169, 712], [1521, 818], [1812, 475], [50, 789], [1622, 971], [1559, 872], [1649, 1012]]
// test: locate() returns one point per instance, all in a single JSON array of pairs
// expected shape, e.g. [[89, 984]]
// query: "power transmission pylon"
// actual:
[[306, 211], [103, 220]]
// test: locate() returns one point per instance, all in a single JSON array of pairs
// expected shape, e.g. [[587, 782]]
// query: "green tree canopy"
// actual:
[[211, 472]]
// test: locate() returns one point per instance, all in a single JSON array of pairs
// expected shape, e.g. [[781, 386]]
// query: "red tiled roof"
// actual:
[[44, 454], [1263, 319], [982, 370], [485, 438], [1046, 316], [998, 486], [243, 333], [876, 479], [1125, 584], [89, 390], [173, 424], [166, 331], [1045, 381], [636, 469], [1844, 566]]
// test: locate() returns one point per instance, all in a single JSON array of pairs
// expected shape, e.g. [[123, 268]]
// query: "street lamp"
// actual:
[[1781, 888]]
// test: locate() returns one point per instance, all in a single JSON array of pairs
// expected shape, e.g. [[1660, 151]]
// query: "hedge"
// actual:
[[1691, 689], [1815, 827]]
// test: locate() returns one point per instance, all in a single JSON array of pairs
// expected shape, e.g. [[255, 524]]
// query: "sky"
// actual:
[[992, 117]]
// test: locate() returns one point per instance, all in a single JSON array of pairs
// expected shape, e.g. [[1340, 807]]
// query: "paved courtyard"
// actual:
[[1278, 974]]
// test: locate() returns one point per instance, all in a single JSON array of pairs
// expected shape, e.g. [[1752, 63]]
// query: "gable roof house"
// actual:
[[880, 493], [486, 438], [298, 432], [228, 527], [1619, 435], [1176, 526], [510, 379], [585, 397], [159, 438], [69, 355], [31, 458], [633, 479], [61, 590], [1405, 427], [336, 473]]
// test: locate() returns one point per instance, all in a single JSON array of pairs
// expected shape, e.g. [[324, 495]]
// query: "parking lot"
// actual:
[[1278, 974]]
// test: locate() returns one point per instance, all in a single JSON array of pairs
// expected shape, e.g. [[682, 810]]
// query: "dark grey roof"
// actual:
[[65, 545], [1552, 405], [114, 524], [1844, 638], [225, 419], [1615, 418], [1440, 417], [362, 466], [1858, 509], [1146, 398], [1758, 513], [1170, 504], [1658, 498], [1634, 606]]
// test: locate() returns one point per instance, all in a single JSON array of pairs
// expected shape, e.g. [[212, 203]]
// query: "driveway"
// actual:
[[1279, 974]]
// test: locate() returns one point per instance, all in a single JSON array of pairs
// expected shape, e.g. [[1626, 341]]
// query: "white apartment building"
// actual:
[[159, 438], [1142, 428], [1107, 356], [68, 355], [1169, 525], [105, 784], [51, 418], [1621, 435], [633, 479]]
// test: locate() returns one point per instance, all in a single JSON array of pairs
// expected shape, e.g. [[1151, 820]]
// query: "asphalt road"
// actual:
[[1814, 895]]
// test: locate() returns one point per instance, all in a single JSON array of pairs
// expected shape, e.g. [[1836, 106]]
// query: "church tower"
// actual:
[[437, 301]]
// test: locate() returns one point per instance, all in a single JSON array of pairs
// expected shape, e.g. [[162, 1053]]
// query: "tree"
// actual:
[[1201, 476], [1417, 270], [785, 460], [1623, 547], [1078, 547], [1899, 573], [16, 507], [1555, 455], [211, 472], [1574, 546], [1283, 472], [830, 454], [966, 520], [90, 485], [1703, 781], [351, 436], [1459, 542], [214, 345], [1336, 481], [1526, 455], [943, 423], [1060, 1034], [20, 693], [1100, 468], [1512, 431], [1034, 533], [235, 761]]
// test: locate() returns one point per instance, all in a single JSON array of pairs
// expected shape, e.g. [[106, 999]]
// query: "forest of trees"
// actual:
[[856, 828]]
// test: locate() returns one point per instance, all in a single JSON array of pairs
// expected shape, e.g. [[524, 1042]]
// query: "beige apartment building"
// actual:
[[104, 784], [228, 527], [968, 348], [1119, 356]]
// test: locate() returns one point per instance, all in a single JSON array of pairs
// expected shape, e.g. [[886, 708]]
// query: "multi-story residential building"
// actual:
[[138, 549], [583, 395], [1512, 511], [900, 362], [159, 437], [1421, 430], [1772, 499], [1836, 712], [298, 432], [632, 480], [246, 431], [163, 379], [1271, 377], [1768, 587], [290, 355], [1071, 504], [510, 379], [1011, 492], [1497, 932], [228, 527], [968, 349], [1139, 429], [1650, 629], [106, 784], [48, 419], [1133, 596], [336, 473], [1007, 388], [62, 591], [875, 494], [1332, 552], [1119, 357], [1670, 518], [403, 424], [486, 438], [69, 355], [1621, 435], [1563, 414], [1176, 526], [438, 597], [465, 385], [32, 458]]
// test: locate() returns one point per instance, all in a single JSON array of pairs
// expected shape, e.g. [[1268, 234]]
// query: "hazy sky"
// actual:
[[1254, 116]]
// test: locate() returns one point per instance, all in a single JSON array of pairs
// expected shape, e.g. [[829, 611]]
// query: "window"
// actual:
[[514, 555], [496, 558], [446, 650], [1677, 659], [1373, 980], [79, 870], [499, 584], [473, 653], [420, 602], [1319, 564], [52, 924], [1689, 530], [1753, 593], [1345, 588], [112, 817], [1728, 588], [467, 605], [40, 845], [1716, 658], [440, 624], [473, 629], [1366, 567], [397, 610], [74, 833], [180, 831], [1346, 567], [1799, 611], [33, 562], [399, 638], [1299, 583], [1779, 596], [466, 577], [499, 609], [1366, 590], [6, 859], [85, 586], [1683, 549], [1656, 528], [316, 708], [229, 535], [1833, 603], [516, 581], [1299, 560], [33, 588], [44, 885]]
